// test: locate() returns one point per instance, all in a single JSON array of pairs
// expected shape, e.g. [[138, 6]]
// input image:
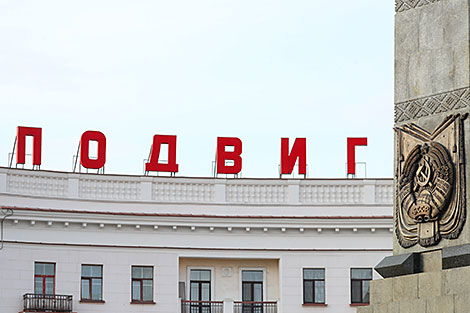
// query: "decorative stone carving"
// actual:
[[427, 106], [403, 5], [430, 185]]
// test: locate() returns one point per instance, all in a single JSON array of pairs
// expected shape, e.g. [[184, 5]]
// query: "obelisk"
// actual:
[[430, 267]]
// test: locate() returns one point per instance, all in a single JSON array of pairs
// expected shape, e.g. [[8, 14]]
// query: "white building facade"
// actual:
[[107, 243]]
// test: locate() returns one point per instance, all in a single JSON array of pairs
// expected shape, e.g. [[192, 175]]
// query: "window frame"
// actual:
[[313, 285], [263, 282], [44, 278], [141, 280], [361, 288], [90, 280]]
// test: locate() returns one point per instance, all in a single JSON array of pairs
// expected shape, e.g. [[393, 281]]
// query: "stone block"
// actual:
[[457, 256], [365, 309], [381, 291], [413, 306], [431, 261], [392, 307], [444, 304], [456, 281], [430, 284], [461, 303], [405, 288], [380, 308], [397, 265]]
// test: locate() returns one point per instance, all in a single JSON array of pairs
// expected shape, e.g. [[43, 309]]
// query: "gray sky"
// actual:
[[254, 69]]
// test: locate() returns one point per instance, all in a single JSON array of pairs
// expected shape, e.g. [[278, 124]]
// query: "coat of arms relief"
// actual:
[[430, 184]]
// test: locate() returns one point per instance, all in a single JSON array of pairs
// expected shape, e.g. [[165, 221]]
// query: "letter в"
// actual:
[[224, 155]]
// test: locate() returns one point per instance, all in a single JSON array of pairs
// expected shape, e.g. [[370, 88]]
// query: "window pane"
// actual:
[[49, 269], [252, 276], [365, 291], [147, 290], [356, 291], [137, 272], [314, 273], [205, 292], [195, 275], [319, 291], [148, 272], [86, 271], [38, 288], [308, 289], [136, 290], [361, 273], [96, 270], [49, 285], [39, 269], [85, 289], [258, 292], [246, 292], [96, 288], [195, 291]]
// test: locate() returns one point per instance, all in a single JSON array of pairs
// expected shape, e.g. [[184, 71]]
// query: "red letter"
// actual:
[[21, 144], [299, 152], [352, 143], [223, 155], [85, 160], [153, 165]]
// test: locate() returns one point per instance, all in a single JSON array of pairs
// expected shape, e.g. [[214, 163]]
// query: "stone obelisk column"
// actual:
[[430, 267]]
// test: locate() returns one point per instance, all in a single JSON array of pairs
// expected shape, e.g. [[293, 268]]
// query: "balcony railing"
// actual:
[[202, 306], [47, 303], [255, 307]]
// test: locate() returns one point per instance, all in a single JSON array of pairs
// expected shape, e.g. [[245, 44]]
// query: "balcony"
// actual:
[[254, 307], [202, 306], [47, 303]]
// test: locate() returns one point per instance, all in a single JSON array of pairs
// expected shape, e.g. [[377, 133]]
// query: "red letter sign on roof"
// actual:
[[85, 160], [352, 143], [299, 152], [223, 155], [22, 132], [153, 165]]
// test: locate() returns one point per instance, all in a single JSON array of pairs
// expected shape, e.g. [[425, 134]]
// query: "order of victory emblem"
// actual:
[[430, 184]]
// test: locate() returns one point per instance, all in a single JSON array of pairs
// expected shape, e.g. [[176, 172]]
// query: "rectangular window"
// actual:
[[314, 285], [44, 278], [360, 282], [92, 282], [142, 283]]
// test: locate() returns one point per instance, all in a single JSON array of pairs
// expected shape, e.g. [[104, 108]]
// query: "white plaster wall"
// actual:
[[337, 278], [230, 287], [17, 276]]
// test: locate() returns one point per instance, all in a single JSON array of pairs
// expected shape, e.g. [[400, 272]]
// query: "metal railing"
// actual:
[[47, 303], [255, 307], [202, 306]]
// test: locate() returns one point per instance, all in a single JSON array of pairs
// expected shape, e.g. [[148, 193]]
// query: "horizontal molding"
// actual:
[[384, 217], [191, 248]]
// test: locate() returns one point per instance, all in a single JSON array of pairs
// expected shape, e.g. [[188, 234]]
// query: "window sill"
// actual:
[[314, 304], [359, 304], [91, 301], [142, 302]]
